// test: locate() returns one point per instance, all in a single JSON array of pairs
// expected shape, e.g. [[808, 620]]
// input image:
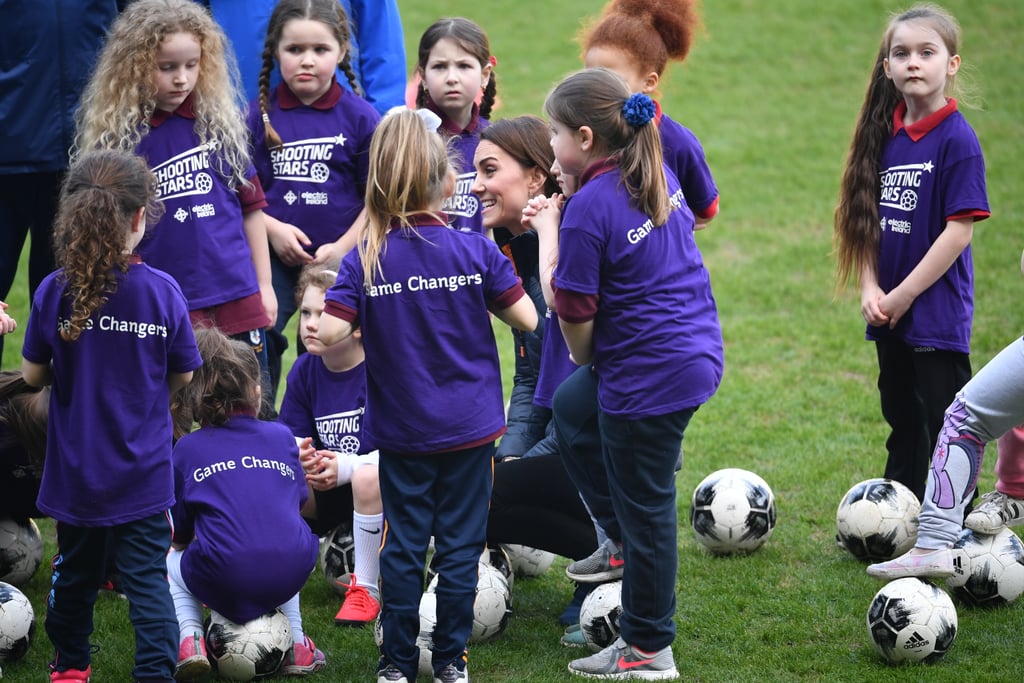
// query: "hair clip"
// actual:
[[493, 61], [638, 110], [431, 120]]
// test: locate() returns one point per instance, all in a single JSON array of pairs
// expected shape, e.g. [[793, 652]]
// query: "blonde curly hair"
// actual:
[[120, 98]]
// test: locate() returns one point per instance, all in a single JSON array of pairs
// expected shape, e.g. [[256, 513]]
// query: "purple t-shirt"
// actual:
[[433, 374], [317, 180], [328, 406], [657, 341], [555, 364], [463, 207], [239, 488], [108, 448], [929, 172], [200, 240], [684, 155]]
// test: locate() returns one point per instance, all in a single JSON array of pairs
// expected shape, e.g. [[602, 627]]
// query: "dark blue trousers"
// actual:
[[445, 495], [625, 471], [139, 550]]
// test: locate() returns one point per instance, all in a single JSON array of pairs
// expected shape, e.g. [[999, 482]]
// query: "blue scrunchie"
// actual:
[[638, 109]]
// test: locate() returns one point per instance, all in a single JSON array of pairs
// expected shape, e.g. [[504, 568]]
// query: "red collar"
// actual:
[[134, 259], [286, 99], [423, 219], [449, 126], [657, 112], [597, 168], [185, 110], [919, 129]]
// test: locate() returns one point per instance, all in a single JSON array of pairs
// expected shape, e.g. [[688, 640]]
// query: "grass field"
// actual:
[[772, 89]]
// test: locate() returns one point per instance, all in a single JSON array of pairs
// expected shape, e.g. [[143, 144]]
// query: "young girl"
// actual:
[[112, 337], [636, 39], [639, 319], [913, 187], [326, 399], [240, 545], [310, 140], [165, 87], [455, 64], [434, 404]]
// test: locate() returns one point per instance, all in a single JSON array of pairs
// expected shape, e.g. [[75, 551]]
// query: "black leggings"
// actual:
[[534, 503]]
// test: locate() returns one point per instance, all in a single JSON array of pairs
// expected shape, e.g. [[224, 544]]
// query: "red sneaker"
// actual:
[[71, 675], [359, 608], [303, 659]]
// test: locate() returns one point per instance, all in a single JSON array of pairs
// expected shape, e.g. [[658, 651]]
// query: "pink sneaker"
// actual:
[[193, 663], [71, 675], [303, 659], [934, 564], [359, 608]]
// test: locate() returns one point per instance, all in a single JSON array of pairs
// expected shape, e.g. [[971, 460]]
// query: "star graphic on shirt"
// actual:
[[340, 140], [927, 167]]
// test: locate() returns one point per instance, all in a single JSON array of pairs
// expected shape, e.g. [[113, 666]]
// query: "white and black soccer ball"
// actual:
[[732, 510], [17, 623], [425, 638], [21, 551], [877, 519], [988, 570], [527, 561], [911, 620], [491, 606], [499, 559], [246, 652], [599, 615], [338, 557]]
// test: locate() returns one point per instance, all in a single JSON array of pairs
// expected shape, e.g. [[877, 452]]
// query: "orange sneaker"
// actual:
[[360, 607]]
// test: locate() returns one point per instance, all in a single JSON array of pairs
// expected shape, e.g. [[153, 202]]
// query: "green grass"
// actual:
[[772, 90]]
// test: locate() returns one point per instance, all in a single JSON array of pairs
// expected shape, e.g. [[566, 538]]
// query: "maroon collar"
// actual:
[[597, 168], [185, 110], [918, 129], [449, 126], [423, 219], [286, 99]]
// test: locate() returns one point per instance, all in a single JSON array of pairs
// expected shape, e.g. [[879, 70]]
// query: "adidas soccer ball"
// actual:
[[245, 652], [21, 551], [988, 569], [599, 615], [527, 561], [338, 557], [17, 623], [732, 510], [877, 519], [910, 620]]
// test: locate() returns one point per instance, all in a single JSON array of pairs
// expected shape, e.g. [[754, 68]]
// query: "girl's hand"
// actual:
[[7, 323], [269, 299], [870, 306], [307, 454], [288, 242], [896, 304], [542, 213], [325, 476], [330, 252]]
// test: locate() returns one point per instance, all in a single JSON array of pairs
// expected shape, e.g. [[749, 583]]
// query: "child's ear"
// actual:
[[139, 219], [586, 138]]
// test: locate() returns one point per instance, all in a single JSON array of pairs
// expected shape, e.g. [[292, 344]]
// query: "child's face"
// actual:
[[308, 54], [919, 63], [567, 182], [177, 69], [503, 186], [567, 144], [310, 310], [454, 77]]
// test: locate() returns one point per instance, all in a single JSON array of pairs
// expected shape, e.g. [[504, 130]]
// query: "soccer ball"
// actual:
[[910, 620], [499, 559], [877, 519], [21, 551], [338, 557], [732, 510], [599, 615], [988, 569], [245, 652], [491, 606], [425, 639], [17, 623], [527, 561]]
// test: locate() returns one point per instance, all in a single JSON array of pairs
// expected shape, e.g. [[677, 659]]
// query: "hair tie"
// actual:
[[638, 110], [266, 118], [331, 273], [493, 61]]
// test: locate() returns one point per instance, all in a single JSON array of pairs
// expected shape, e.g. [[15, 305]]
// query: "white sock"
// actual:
[[366, 531], [291, 610], [187, 607]]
